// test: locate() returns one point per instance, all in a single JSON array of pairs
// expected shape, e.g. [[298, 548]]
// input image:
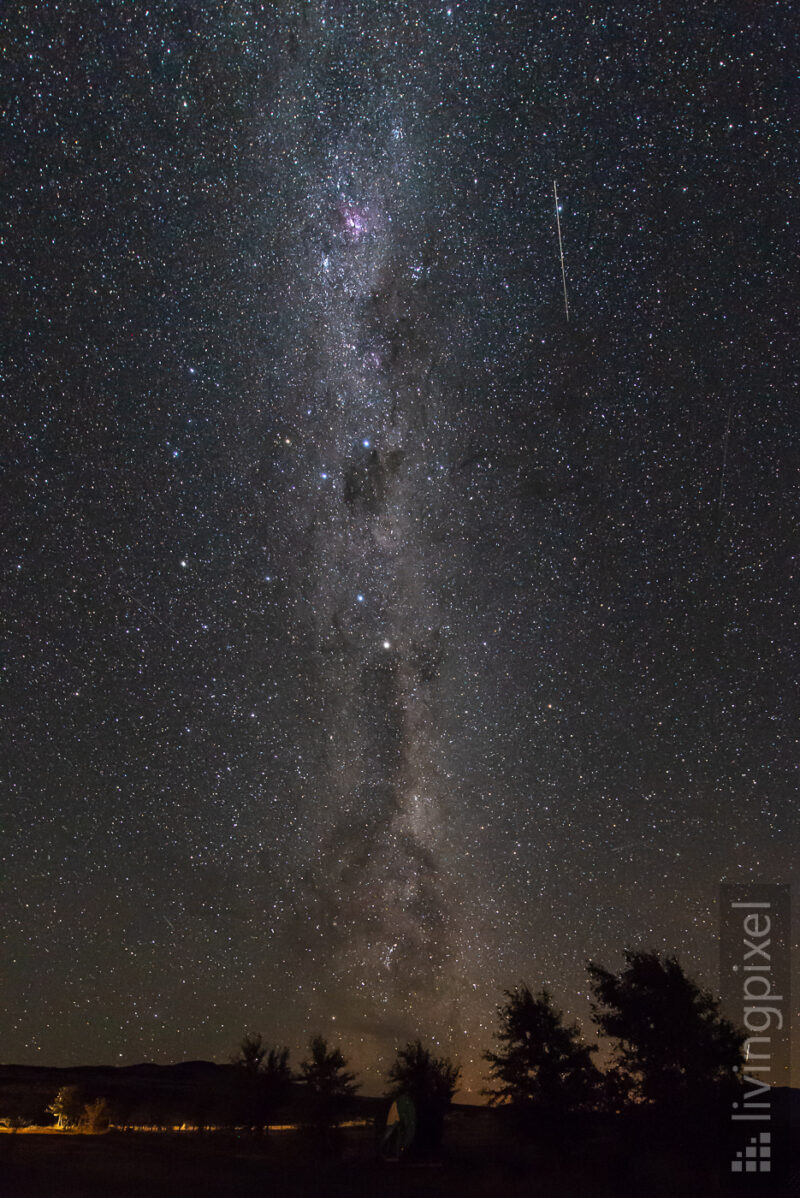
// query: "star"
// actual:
[[356, 236]]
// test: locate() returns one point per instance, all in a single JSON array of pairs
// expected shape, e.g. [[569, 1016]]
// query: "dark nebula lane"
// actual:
[[376, 638], [388, 909]]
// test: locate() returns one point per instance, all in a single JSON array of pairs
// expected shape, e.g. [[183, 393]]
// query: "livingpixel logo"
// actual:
[[756, 1157], [754, 961]]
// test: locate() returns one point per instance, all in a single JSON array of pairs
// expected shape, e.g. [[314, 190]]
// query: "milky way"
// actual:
[[387, 909], [376, 637]]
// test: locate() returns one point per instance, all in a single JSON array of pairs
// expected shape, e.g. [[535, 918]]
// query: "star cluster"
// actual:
[[376, 636]]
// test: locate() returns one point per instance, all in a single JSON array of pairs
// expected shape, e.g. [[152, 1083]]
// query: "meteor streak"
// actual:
[[561, 253]]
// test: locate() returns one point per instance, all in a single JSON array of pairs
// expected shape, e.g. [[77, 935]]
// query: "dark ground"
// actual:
[[479, 1162]]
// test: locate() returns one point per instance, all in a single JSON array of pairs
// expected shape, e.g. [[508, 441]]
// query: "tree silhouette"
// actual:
[[67, 1107], [541, 1065], [327, 1081], [97, 1116], [430, 1082], [672, 1046], [263, 1081], [252, 1051]]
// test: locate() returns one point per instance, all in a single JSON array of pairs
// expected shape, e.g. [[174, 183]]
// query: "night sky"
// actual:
[[376, 637]]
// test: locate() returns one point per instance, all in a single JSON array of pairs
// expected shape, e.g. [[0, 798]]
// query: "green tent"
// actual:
[[401, 1126]]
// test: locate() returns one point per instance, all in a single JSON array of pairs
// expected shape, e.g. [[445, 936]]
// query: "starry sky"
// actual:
[[376, 637]]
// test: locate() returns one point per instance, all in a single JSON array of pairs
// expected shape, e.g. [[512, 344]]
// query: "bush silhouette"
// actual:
[[96, 1116]]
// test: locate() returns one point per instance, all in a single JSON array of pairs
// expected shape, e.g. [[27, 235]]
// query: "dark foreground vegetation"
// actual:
[[655, 1120]]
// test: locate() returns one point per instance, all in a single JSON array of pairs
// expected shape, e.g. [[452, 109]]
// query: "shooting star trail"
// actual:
[[561, 253]]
